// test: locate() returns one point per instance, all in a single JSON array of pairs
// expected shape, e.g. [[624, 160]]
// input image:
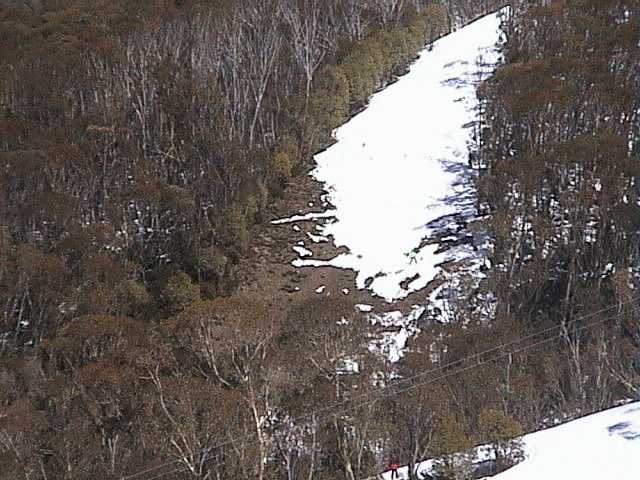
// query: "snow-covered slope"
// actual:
[[402, 163], [602, 446]]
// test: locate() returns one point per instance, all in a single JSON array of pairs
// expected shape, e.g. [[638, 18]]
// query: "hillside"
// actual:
[[402, 167], [602, 445], [594, 447], [305, 239]]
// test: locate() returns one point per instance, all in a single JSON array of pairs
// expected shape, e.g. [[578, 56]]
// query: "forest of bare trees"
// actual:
[[561, 148], [151, 151], [140, 142]]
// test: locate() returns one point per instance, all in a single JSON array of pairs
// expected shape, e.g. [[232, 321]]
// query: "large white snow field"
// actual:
[[602, 446], [401, 164]]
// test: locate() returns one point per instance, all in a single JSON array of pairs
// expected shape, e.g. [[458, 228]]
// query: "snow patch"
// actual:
[[397, 329], [364, 308], [304, 217], [317, 238], [400, 166], [303, 252]]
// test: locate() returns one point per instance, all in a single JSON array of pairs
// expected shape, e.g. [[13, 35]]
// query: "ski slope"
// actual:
[[602, 446], [401, 164]]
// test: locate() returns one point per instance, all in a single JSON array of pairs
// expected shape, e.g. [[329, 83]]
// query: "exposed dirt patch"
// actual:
[[267, 271]]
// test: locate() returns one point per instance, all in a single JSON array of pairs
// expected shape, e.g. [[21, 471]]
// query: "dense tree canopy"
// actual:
[[141, 141], [561, 157], [137, 144]]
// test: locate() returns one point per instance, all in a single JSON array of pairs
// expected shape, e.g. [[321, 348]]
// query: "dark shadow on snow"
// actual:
[[626, 430]]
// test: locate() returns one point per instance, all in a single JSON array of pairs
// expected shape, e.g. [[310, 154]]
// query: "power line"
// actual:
[[411, 387], [302, 419], [392, 389]]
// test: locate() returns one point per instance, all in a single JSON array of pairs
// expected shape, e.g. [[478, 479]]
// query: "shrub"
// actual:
[[328, 106], [179, 292], [236, 227], [285, 157], [132, 297], [501, 431], [455, 464]]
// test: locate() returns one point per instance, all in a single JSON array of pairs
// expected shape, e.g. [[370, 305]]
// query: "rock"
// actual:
[[407, 281]]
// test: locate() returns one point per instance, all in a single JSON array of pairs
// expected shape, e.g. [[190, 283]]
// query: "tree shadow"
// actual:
[[626, 430], [462, 196]]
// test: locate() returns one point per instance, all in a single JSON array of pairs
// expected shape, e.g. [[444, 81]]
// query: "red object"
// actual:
[[394, 466]]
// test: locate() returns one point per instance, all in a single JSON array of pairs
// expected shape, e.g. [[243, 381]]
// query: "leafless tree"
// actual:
[[313, 35], [389, 11], [261, 39]]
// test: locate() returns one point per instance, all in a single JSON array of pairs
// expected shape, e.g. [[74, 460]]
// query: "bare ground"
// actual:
[[266, 272]]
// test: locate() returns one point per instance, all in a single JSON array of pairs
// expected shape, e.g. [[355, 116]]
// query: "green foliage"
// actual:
[[285, 157], [375, 60], [133, 298], [179, 292], [211, 261], [431, 23], [452, 437], [154, 163], [501, 431], [128, 186], [362, 75], [558, 178], [496, 426], [252, 207], [453, 443], [263, 197], [283, 163], [328, 106], [236, 227]]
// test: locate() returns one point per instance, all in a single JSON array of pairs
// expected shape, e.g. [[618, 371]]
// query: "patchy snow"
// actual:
[[402, 164], [396, 331], [317, 238], [304, 217], [345, 291], [341, 261], [605, 445], [303, 252], [321, 289], [364, 307], [348, 366], [597, 185]]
